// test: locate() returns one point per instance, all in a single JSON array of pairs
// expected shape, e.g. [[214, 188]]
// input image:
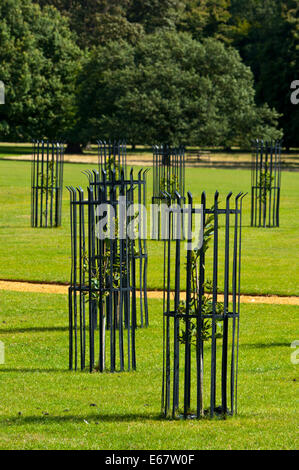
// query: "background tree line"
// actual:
[[203, 72]]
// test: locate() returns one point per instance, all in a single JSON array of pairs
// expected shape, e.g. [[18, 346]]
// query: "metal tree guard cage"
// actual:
[[168, 177], [112, 156], [46, 184], [102, 294], [201, 327], [135, 191], [168, 171], [265, 183]]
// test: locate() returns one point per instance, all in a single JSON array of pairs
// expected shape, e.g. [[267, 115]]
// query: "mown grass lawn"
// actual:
[[270, 256], [45, 406]]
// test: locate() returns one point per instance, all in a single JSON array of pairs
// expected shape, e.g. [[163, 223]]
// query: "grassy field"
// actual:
[[45, 406], [8, 149], [270, 256]]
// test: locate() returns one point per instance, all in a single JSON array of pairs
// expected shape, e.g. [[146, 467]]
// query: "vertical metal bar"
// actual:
[[270, 182], [37, 185], [122, 261], [71, 286], [140, 254], [81, 269], [225, 311], [102, 285], [52, 185], [47, 186], [70, 295], [113, 325], [176, 357], [187, 378], [163, 400], [90, 276], [167, 385], [279, 182], [239, 301], [234, 301], [144, 250], [42, 185], [215, 284], [199, 322], [260, 186], [83, 285], [74, 207], [256, 182], [33, 182], [61, 180]]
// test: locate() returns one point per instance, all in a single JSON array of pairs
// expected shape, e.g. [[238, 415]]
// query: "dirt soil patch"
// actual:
[[23, 286]]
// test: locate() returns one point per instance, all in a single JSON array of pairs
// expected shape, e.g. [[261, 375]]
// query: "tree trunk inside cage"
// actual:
[[265, 183], [102, 295], [46, 184], [201, 327]]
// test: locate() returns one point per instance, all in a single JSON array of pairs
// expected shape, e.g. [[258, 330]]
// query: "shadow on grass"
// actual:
[[13, 226], [33, 370], [75, 372], [11, 150], [95, 418], [265, 345], [32, 329]]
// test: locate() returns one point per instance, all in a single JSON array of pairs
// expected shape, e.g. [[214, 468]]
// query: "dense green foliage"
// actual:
[[266, 34], [170, 88], [39, 59]]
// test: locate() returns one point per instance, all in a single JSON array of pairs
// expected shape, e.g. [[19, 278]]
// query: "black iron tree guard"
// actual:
[[102, 294], [46, 183], [265, 183], [168, 176], [139, 254], [201, 330], [112, 156]]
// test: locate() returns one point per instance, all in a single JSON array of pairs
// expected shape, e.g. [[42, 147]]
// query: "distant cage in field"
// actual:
[[168, 171], [112, 155], [103, 289], [201, 327], [168, 178], [46, 183], [265, 183]]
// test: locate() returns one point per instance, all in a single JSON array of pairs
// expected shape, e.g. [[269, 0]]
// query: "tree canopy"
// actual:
[[170, 88], [44, 44], [38, 60], [266, 34]]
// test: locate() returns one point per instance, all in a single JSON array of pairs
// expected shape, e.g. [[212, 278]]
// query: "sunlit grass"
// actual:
[[269, 256], [45, 406]]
